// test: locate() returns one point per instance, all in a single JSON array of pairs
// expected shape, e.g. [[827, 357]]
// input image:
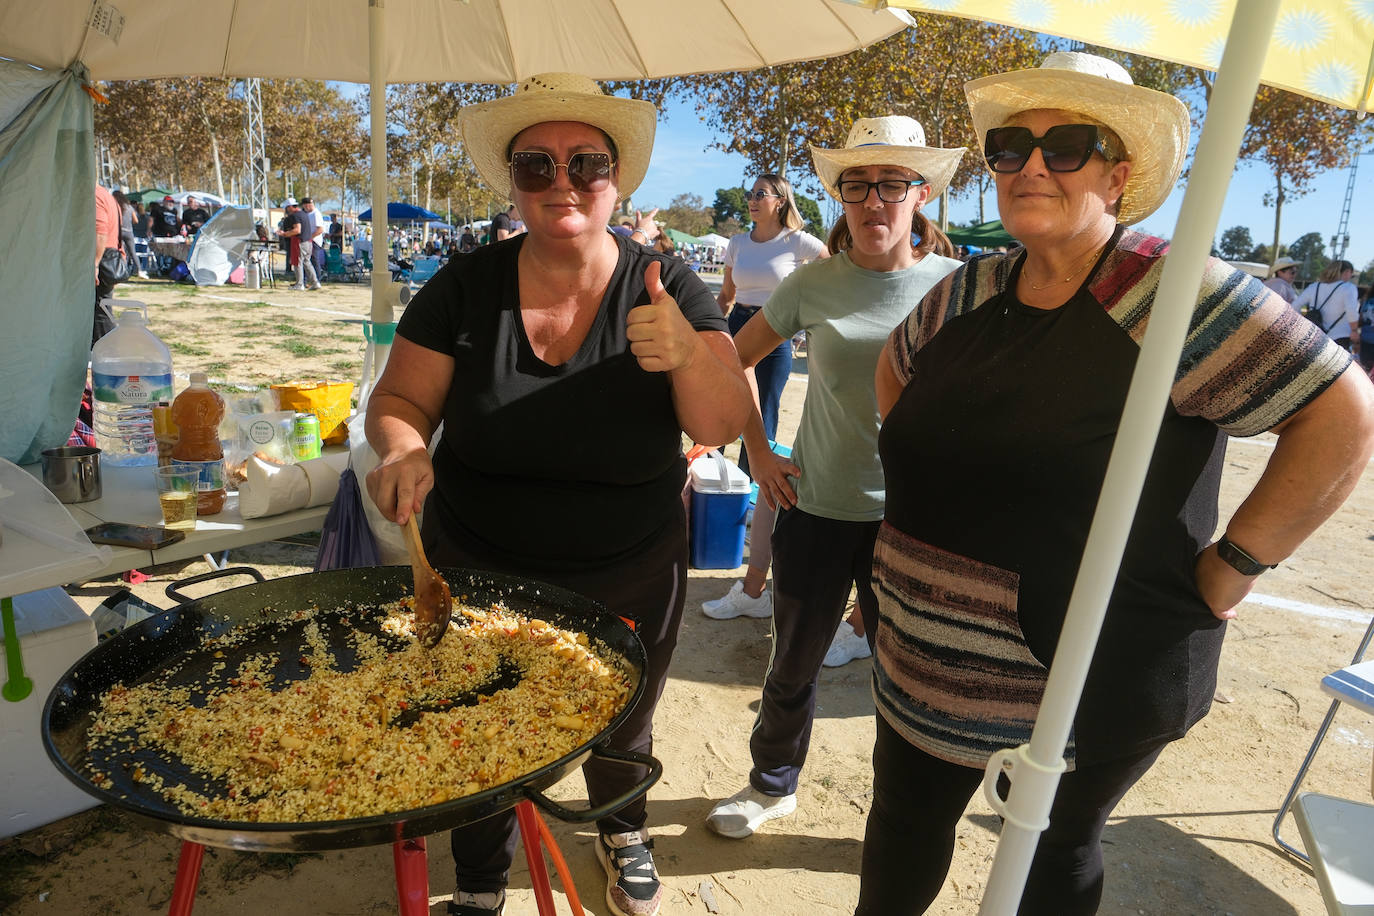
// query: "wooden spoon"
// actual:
[[433, 600]]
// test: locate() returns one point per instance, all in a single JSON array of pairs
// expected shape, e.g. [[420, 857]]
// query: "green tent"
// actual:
[[986, 235], [147, 195], [682, 238]]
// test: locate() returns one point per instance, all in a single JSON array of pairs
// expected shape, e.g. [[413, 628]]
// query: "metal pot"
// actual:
[[176, 637]]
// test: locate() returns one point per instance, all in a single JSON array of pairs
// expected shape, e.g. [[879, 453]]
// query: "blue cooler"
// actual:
[[720, 503]]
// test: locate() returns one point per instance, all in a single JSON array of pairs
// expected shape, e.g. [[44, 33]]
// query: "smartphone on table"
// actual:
[[144, 537]]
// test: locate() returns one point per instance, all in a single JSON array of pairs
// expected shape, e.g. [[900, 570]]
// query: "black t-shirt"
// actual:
[[1003, 435], [194, 218], [164, 220], [499, 221], [552, 467]]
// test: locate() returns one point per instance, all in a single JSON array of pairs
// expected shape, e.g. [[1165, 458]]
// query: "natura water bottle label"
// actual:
[[132, 389]]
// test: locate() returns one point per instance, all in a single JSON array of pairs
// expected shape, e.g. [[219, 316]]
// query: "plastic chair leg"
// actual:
[[412, 876]]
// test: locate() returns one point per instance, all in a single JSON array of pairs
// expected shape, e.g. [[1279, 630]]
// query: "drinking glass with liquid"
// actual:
[[176, 494]]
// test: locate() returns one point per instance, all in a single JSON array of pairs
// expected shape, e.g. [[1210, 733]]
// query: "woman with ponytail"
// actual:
[[829, 496]]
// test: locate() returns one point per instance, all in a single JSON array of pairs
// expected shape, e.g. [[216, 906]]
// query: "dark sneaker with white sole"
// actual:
[[465, 904], [632, 886]]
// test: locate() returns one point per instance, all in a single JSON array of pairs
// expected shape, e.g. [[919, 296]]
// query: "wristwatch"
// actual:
[[1239, 560]]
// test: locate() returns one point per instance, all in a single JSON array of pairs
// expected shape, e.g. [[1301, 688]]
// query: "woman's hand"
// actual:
[[399, 485], [1220, 585], [660, 337], [770, 471]]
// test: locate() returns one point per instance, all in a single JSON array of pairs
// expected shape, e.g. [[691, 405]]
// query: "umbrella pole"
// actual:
[[1035, 768], [381, 277]]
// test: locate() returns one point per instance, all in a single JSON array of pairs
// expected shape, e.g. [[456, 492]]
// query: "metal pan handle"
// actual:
[[174, 589], [587, 815]]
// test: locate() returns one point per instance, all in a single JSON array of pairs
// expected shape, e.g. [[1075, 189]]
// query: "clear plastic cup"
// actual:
[[176, 494]]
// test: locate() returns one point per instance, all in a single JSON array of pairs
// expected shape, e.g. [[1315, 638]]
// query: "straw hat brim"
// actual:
[[933, 164], [1153, 125], [488, 128]]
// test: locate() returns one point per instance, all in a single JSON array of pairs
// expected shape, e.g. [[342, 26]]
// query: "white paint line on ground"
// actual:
[[290, 305], [1311, 610]]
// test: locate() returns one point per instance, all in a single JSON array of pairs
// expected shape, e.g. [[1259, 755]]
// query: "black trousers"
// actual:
[[651, 589], [815, 562], [918, 800]]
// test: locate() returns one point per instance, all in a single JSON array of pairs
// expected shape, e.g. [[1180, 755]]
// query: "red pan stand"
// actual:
[[412, 870]]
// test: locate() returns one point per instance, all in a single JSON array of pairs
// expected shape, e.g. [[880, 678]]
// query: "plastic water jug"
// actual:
[[131, 370]]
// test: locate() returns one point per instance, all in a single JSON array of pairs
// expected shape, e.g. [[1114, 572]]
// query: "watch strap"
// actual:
[[1239, 560]]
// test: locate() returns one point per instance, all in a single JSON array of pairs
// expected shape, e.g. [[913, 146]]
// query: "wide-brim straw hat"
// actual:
[[1153, 125], [1280, 264], [892, 140], [489, 127]]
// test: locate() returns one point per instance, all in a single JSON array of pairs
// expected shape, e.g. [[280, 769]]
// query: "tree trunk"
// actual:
[[1278, 216]]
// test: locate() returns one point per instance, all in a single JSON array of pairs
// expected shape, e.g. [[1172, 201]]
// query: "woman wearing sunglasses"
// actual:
[[565, 364], [829, 496], [755, 263], [1001, 394]]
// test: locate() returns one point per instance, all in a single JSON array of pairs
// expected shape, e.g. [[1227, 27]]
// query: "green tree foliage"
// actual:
[[730, 206], [1236, 244], [687, 213], [1297, 139], [810, 212], [1309, 250], [771, 116]]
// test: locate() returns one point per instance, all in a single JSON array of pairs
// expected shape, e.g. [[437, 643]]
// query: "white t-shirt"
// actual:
[[1340, 305], [756, 268]]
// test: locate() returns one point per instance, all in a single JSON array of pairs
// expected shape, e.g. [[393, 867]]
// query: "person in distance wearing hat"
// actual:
[[1001, 395], [565, 363], [1281, 277], [885, 255]]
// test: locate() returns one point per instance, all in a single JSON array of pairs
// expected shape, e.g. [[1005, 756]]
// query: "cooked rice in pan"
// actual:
[[331, 746]]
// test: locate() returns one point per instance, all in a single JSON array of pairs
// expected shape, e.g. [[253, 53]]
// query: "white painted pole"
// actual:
[[1035, 768], [376, 68]]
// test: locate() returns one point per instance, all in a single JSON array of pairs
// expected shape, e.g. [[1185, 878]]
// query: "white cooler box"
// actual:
[[53, 634]]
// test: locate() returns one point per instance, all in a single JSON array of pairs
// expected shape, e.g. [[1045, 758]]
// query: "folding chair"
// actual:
[[1340, 836], [1352, 684], [425, 267]]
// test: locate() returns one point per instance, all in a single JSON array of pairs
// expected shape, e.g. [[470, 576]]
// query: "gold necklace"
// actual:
[[1078, 270]]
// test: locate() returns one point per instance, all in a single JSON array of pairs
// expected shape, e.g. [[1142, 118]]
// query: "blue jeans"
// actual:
[[771, 372]]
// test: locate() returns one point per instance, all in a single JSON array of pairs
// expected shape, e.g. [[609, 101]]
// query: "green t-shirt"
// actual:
[[847, 313]]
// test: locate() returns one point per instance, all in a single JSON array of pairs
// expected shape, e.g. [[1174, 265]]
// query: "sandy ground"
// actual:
[[1192, 837]]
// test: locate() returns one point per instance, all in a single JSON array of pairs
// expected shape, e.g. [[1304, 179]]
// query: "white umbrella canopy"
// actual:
[[478, 41], [402, 41]]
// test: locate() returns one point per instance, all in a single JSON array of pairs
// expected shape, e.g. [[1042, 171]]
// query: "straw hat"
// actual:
[[893, 140], [489, 127], [1153, 125], [1280, 264]]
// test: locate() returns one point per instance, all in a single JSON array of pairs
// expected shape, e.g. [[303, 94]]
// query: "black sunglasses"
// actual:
[[760, 194], [533, 171], [1065, 147], [890, 191]]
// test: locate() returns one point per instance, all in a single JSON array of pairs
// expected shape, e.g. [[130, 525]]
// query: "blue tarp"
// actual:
[[47, 255], [396, 210]]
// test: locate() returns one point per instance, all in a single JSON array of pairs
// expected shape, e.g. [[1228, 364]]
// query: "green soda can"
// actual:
[[305, 437]]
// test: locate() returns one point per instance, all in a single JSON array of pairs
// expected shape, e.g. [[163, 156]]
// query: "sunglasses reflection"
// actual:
[[533, 170]]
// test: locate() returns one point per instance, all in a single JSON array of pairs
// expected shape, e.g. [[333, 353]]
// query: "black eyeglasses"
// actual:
[[760, 194], [533, 171], [1065, 147], [890, 190]]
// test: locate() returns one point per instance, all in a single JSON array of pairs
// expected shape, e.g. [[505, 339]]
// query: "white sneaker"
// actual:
[[846, 646], [745, 811], [737, 603], [143, 274], [298, 288], [465, 904]]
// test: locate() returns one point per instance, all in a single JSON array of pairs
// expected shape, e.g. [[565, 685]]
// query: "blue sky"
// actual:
[[682, 165]]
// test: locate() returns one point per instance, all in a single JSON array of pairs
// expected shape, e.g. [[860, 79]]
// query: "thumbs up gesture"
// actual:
[[660, 337]]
